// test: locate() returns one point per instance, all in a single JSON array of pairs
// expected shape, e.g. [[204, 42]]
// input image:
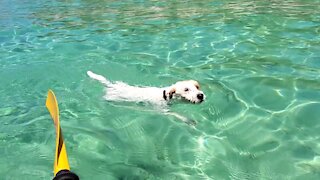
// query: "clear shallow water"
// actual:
[[257, 62]]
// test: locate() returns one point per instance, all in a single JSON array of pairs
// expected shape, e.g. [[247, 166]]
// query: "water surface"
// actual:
[[257, 62]]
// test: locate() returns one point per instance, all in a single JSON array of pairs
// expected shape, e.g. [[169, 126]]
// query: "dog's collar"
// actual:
[[164, 95]]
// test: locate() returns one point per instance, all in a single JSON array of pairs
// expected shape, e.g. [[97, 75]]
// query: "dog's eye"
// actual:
[[186, 89]]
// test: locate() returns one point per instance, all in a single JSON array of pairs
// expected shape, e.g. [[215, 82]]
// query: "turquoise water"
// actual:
[[257, 62]]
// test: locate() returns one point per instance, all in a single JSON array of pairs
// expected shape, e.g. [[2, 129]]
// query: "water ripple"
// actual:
[[257, 62]]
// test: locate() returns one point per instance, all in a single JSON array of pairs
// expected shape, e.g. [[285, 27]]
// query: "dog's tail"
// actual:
[[98, 77]]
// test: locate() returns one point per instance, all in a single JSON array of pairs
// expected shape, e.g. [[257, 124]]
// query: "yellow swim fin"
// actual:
[[61, 164]]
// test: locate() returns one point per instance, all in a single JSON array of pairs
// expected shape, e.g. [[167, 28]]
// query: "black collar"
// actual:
[[164, 95]]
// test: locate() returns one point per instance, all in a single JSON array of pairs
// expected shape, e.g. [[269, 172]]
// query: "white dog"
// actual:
[[118, 91]]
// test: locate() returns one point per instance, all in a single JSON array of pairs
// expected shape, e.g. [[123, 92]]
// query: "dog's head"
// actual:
[[188, 90]]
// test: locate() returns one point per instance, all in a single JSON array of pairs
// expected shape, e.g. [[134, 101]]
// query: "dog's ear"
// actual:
[[171, 92]]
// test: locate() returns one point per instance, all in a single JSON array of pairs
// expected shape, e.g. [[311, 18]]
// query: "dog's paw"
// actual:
[[191, 122]]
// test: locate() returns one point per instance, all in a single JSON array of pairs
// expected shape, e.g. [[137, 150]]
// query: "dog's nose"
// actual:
[[200, 96]]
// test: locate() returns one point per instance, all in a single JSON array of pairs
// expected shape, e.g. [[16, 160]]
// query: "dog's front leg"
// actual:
[[182, 118]]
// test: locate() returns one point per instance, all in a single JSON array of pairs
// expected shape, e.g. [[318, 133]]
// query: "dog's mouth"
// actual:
[[198, 101], [187, 100]]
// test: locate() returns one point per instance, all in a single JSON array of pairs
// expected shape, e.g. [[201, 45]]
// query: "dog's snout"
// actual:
[[200, 96]]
